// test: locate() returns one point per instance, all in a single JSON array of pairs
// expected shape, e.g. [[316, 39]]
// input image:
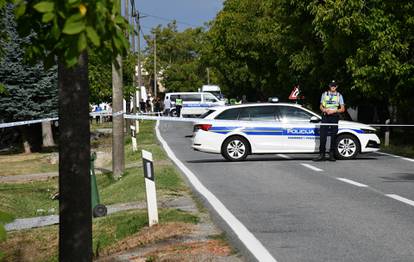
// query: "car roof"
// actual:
[[256, 104], [186, 93]]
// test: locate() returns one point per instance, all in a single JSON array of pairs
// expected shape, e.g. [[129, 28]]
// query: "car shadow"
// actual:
[[399, 177], [268, 159]]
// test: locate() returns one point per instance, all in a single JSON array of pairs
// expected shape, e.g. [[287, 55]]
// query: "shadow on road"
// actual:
[[268, 159]]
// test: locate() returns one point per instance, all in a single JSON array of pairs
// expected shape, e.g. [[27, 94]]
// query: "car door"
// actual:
[[262, 128], [192, 104], [299, 133]]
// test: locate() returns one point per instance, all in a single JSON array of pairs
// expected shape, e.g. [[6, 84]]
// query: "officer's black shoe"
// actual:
[[332, 157], [321, 157]]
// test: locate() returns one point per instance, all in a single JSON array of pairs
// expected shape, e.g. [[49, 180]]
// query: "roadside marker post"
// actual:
[[150, 187], [134, 138]]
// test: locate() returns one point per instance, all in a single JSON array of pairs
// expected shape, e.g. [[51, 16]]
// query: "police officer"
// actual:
[[178, 105], [332, 103]]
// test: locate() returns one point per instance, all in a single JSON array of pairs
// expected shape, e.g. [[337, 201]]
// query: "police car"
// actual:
[[240, 130]]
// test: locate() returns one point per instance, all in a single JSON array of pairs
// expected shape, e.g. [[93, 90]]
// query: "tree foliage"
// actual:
[[263, 48], [30, 92], [178, 57], [67, 28], [100, 78]]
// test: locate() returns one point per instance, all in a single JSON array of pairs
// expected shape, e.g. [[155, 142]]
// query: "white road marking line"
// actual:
[[402, 199], [352, 182], [312, 167], [404, 158], [284, 156], [245, 236]]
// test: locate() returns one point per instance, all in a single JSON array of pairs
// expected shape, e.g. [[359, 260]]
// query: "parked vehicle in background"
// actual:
[[213, 89], [194, 103], [241, 130]]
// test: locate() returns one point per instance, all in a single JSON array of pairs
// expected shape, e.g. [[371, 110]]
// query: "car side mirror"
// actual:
[[315, 119]]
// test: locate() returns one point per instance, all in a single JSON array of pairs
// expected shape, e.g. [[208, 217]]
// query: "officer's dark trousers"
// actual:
[[178, 110], [326, 131]]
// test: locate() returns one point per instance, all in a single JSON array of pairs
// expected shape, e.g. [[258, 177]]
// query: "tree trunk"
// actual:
[[25, 142], [118, 154], [47, 134], [75, 215]]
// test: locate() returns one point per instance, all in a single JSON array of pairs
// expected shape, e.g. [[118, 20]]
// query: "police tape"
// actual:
[[153, 116], [161, 118], [293, 123], [28, 122]]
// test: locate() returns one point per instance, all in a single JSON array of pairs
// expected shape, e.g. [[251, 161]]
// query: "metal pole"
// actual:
[[155, 65]]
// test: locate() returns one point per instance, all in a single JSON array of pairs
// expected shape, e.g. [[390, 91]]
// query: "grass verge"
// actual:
[[41, 244]]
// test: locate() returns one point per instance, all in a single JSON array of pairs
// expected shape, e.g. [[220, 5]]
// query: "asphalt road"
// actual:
[[306, 211]]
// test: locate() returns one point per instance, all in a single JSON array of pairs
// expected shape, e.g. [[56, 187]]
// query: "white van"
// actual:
[[194, 103], [214, 89]]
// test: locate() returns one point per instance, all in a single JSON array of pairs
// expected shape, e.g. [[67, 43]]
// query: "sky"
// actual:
[[188, 13]]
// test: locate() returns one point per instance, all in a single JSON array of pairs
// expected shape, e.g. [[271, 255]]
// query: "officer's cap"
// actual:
[[333, 83]]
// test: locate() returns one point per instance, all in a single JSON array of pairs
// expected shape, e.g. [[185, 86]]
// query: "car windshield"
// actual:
[[293, 114], [208, 97], [209, 112]]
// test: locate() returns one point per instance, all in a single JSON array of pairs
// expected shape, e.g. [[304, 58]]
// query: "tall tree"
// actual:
[[265, 47], [178, 57], [376, 38], [30, 92], [65, 29]]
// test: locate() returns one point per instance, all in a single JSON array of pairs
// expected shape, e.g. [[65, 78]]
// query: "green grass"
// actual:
[[29, 199], [4, 219], [94, 126], [17, 164], [41, 244], [26, 199], [111, 229], [401, 150], [131, 186], [401, 142]]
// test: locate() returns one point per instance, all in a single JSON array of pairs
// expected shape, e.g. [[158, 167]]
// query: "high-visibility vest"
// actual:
[[178, 102], [331, 101]]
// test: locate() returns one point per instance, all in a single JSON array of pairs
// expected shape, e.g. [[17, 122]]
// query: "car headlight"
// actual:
[[368, 131]]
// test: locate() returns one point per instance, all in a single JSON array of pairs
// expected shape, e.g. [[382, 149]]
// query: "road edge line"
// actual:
[[352, 182], [314, 168], [401, 199], [396, 156], [255, 247]]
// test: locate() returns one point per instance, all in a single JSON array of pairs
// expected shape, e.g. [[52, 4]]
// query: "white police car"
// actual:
[[237, 131]]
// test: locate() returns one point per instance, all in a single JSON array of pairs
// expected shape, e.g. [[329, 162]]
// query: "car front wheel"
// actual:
[[235, 148], [173, 113], [347, 147]]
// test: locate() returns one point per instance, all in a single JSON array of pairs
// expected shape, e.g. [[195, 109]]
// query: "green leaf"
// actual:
[[2, 88], [47, 17], [55, 29], [20, 10], [44, 7], [93, 36], [119, 20], [82, 42], [117, 43], [74, 25], [71, 55]]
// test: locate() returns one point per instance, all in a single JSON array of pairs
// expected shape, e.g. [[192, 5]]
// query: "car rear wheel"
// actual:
[[347, 147], [235, 148]]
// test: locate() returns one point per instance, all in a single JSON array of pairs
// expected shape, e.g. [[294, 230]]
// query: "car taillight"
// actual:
[[204, 127]]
